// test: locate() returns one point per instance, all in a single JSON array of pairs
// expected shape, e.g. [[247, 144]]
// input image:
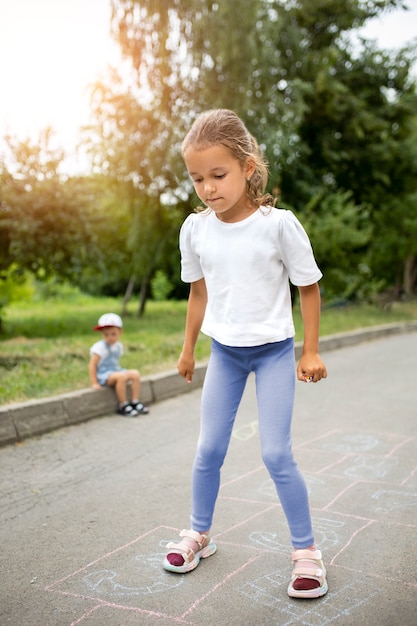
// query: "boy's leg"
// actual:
[[118, 380], [134, 377]]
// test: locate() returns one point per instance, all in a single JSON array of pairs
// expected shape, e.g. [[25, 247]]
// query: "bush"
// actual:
[[161, 286]]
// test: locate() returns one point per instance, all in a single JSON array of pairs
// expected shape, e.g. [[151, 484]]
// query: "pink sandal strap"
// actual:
[[182, 548], [298, 555], [308, 564]]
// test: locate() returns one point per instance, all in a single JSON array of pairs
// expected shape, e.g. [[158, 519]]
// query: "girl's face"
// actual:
[[220, 181], [111, 334]]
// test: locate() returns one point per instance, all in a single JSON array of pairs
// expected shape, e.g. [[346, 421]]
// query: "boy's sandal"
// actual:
[[140, 408], [191, 558], [308, 564], [127, 410]]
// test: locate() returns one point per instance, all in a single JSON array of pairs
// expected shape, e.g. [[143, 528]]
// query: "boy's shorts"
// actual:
[[103, 376]]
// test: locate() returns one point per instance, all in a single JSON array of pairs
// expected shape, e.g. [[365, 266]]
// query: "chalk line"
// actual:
[[220, 584], [347, 544]]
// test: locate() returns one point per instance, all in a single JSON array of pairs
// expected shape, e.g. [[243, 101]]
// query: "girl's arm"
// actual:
[[196, 308], [310, 367]]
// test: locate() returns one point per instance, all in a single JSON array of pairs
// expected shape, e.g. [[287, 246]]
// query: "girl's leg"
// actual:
[[222, 392], [224, 384], [275, 380]]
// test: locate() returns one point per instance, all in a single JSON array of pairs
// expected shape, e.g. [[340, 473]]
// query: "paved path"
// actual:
[[86, 511]]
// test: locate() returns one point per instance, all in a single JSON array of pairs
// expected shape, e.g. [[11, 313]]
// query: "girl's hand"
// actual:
[[185, 366], [311, 368], [96, 386]]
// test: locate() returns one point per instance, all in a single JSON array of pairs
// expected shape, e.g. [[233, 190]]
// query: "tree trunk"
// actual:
[[410, 275], [128, 294], [143, 294]]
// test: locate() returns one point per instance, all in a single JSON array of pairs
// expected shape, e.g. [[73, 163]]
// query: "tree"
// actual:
[[134, 139], [352, 114], [42, 220], [334, 119]]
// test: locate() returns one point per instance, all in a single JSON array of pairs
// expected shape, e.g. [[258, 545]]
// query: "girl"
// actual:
[[239, 254]]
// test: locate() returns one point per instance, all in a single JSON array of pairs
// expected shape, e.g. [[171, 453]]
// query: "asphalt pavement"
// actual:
[[87, 510]]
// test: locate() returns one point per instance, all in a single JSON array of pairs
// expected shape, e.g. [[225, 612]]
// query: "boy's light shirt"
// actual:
[[247, 266], [104, 350]]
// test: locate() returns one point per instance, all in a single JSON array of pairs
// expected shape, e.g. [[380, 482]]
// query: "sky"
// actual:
[[52, 50]]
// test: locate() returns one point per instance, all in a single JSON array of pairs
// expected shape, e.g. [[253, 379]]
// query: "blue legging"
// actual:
[[227, 373]]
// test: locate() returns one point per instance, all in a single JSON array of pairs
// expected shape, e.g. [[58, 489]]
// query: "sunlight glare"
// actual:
[[50, 52]]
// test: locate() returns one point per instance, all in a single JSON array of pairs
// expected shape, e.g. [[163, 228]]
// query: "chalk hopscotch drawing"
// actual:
[[268, 540], [138, 577], [266, 589], [267, 487], [270, 591], [391, 500], [370, 468], [143, 567], [325, 531], [311, 482], [245, 432], [358, 442]]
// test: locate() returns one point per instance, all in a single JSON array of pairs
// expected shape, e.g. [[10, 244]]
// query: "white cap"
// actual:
[[109, 319]]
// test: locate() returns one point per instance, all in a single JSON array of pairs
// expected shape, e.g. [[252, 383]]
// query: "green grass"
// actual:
[[44, 349]]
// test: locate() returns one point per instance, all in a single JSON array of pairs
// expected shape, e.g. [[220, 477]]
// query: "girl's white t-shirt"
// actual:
[[247, 267]]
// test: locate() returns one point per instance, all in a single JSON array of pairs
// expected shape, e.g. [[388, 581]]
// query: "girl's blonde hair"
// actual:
[[224, 127]]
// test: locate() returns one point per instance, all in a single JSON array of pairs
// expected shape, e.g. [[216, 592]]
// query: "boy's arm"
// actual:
[[310, 367], [196, 308], [92, 370]]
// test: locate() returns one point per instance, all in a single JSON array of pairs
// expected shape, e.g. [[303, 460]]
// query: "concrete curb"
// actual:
[[35, 417]]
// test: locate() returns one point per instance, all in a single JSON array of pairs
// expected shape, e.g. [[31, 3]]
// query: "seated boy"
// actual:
[[104, 368]]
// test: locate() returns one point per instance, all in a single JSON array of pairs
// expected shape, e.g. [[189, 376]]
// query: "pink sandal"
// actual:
[[191, 558], [308, 564]]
